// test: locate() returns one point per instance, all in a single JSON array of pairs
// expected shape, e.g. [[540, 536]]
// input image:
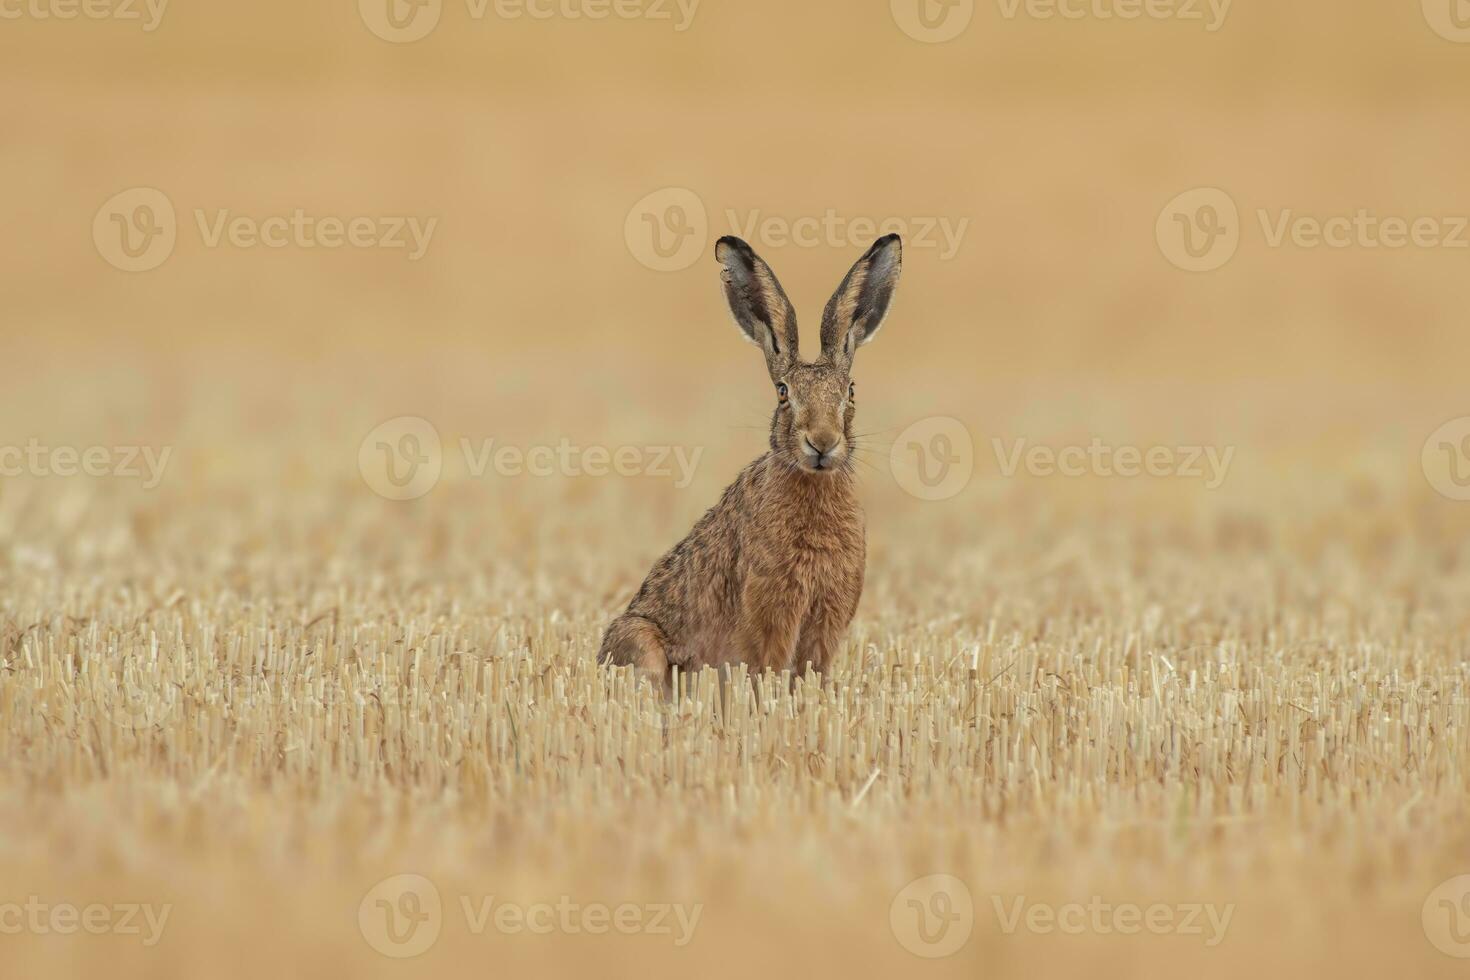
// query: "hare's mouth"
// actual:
[[815, 460]]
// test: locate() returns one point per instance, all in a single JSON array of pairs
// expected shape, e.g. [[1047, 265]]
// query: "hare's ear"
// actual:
[[856, 312], [757, 301]]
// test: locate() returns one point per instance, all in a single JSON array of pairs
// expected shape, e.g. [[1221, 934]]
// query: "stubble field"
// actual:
[[1208, 718], [1144, 730]]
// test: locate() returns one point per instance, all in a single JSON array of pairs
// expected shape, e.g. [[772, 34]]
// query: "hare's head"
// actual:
[[815, 401]]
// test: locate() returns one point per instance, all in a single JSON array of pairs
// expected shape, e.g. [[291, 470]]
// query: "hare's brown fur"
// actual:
[[772, 574]]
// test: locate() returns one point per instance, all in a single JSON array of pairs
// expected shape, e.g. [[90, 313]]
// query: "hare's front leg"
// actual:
[[825, 630], [771, 614]]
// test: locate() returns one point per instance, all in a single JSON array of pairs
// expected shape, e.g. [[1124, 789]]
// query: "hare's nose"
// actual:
[[823, 442]]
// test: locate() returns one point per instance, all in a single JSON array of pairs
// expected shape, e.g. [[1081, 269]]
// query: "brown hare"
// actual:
[[771, 575]]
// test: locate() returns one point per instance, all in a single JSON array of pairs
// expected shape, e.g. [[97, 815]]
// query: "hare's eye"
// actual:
[[782, 391], [852, 392]]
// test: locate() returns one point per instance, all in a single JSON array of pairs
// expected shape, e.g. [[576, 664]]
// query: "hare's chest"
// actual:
[[820, 562]]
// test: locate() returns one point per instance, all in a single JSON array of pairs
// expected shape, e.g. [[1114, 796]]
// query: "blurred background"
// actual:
[[500, 219], [1046, 147]]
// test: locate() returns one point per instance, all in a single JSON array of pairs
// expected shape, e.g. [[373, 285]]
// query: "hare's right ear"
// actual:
[[860, 305], [760, 307]]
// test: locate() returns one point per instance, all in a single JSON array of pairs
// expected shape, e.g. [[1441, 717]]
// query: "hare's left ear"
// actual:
[[858, 308]]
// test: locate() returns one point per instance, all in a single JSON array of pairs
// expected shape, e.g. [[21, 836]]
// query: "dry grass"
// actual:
[[254, 707]]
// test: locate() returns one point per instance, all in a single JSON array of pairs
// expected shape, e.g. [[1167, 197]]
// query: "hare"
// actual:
[[771, 575]]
